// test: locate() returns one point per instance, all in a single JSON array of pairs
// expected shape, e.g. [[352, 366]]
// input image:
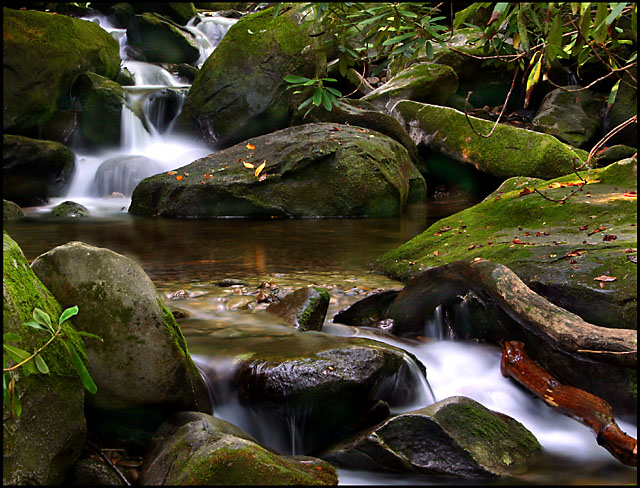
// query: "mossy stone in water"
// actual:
[[11, 211], [70, 209]]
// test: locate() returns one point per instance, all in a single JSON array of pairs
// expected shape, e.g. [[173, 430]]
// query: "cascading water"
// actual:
[[103, 181]]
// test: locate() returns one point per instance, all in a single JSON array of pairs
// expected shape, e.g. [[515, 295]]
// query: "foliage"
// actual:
[[34, 363], [534, 35], [322, 95]]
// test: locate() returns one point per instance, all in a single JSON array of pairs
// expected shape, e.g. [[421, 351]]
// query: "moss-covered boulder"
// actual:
[[41, 444], [193, 448], [143, 369], [34, 170], [422, 82], [158, 39], [510, 151], [454, 437], [304, 309], [571, 117], [557, 249], [309, 389], [101, 103], [363, 114], [70, 209], [328, 170], [11, 211], [240, 91], [42, 53]]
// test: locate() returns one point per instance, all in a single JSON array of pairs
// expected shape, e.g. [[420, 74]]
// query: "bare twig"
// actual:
[[364, 69], [109, 463], [504, 106], [583, 88]]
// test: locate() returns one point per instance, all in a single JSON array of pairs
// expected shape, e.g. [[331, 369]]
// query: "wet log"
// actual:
[[445, 285]]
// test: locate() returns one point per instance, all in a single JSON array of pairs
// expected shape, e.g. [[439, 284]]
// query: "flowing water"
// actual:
[[186, 259]]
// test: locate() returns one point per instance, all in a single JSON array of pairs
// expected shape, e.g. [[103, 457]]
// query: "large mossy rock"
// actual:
[[308, 389], [42, 53], [11, 211], [42, 443], [422, 82], [510, 151], [454, 437], [571, 117], [158, 39], [180, 12], [327, 170], [101, 111], [556, 248], [143, 369], [34, 170], [193, 448], [240, 90]]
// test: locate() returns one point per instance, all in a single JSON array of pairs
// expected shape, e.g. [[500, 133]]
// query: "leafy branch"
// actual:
[[34, 363], [322, 95]]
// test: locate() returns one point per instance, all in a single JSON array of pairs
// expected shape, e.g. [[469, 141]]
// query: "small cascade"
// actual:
[[208, 31], [436, 327]]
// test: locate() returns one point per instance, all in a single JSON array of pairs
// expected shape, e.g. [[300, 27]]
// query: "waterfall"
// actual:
[[148, 144]]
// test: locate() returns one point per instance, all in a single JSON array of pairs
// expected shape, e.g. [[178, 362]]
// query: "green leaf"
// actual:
[[67, 314], [295, 79], [305, 103], [429, 48], [42, 317], [41, 365], [85, 377], [397, 39], [329, 79], [317, 96], [522, 30], [93, 336], [616, 10], [19, 355], [599, 33], [276, 9], [554, 39], [11, 337], [35, 325], [326, 101], [333, 91], [309, 83], [613, 93]]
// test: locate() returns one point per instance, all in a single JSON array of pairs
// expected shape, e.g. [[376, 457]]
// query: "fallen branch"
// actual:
[[106, 459]]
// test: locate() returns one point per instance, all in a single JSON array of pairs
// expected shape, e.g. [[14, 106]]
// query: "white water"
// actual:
[[148, 145]]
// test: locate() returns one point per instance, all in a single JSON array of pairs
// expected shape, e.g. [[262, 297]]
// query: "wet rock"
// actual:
[[571, 117], [121, 174], [158, 39], [52, 423], [509, 152], [304, 309], [422, 82], [230, 282], [310, 170], [101, 114], [310, 388], [34, 170], [92, 472], [240, 302], [368, 312], [613, 154], [11, 211], [70, 209], [197, 449], [143, 369], [454, 437], [180, 12], [240, 91], [41, 54], [625, 107]]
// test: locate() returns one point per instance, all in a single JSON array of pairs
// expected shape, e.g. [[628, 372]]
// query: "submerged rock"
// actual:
[[454, 437], [142, 369], [121, 174], [70, 209], [510, 151], [330, 170], [193, 448], [34, 170], [304, 309], [41, 444]]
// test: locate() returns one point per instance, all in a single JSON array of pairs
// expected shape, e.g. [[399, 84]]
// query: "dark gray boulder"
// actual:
[[304, 309], [155, 38], [327, 170]]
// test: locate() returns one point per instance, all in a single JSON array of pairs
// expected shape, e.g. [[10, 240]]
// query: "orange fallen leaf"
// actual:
[[179, 177], [575, 253], [186, 174], [250, 146], [172, 173], [260, 168], [263, 177], [435, 253], [609, 237], [248, 165], [599, 229], [584, 227], [525, 191], [631, 194], [605, 278]]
